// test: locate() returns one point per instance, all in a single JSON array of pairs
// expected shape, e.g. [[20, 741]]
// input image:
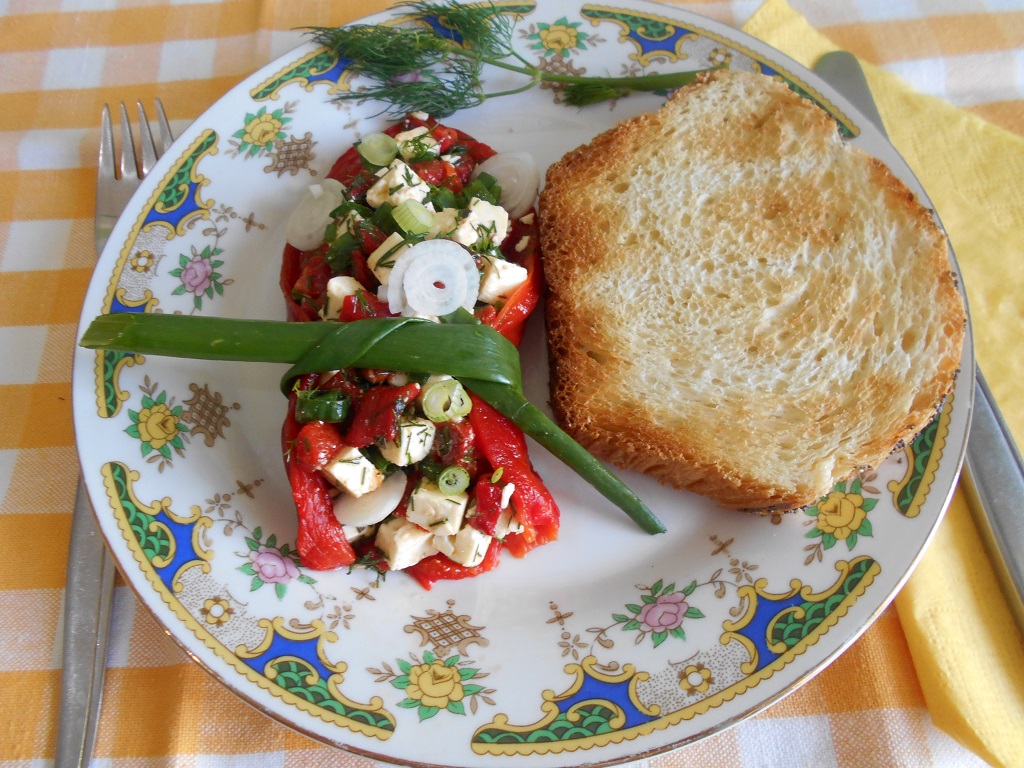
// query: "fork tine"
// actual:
[[166, 135], [149, 150], [105, 164], [129, 165]]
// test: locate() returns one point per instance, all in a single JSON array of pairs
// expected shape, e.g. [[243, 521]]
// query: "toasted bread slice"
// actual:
[[741, 304]]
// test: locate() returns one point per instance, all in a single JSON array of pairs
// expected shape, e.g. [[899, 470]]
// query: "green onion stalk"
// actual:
[[416, 69], [480, 358]]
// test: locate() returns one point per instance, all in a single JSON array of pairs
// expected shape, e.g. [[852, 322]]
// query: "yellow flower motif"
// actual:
[[435, 685], [720, 57], [216, 610], [841, 514], [157, 425], [696, 678], [558, 37], [261, 130], [143, 261]]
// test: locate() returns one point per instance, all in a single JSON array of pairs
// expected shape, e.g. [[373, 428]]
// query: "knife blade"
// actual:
[[993, 472]]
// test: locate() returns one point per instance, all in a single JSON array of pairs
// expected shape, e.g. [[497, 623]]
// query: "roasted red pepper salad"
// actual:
[[388, 470]]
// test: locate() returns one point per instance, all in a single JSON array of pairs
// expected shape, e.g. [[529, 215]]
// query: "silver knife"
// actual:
[[993, 473], [90, 584]]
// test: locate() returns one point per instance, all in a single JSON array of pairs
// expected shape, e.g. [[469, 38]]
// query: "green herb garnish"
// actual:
[[418, 69], [483, 360]]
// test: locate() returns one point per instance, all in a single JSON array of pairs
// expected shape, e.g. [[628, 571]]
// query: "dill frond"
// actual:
[[433, 64]]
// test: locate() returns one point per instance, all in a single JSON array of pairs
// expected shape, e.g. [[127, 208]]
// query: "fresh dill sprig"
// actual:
[[421, 69]]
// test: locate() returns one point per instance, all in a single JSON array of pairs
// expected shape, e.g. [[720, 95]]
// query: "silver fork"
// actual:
[[89, 593]]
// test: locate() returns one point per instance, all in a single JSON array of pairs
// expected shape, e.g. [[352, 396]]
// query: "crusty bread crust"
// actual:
[[741, 304]]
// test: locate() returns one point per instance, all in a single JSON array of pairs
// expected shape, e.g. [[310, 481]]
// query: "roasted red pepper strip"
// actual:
[[377, 414], [504, 446], [437, 568], [488, 506], [321, 541], [510, 321]]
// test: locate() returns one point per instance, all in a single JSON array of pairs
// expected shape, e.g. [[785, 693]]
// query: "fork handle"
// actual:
[[86, 632]]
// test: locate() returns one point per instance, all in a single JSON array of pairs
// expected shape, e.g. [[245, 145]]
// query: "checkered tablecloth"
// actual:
[[60, 61]]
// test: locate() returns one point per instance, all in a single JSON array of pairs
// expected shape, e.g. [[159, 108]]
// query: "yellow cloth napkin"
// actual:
[[966, 649]]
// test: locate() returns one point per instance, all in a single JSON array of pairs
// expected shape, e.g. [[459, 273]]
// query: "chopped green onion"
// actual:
[[442, 197], [377, 149], [453, 480], [413, 217], [444, 400], [339, 253], [384, 217], [331, 406], [485, 187]]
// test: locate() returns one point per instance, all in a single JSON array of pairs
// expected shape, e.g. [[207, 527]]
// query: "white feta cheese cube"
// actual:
[[404, 543], [499, 279], [398, 184], [446, 221], [469, 546], [416, 143], [353, 472], [431, 508], [338, 289], [483, 222], [415, 437], [382, 260]]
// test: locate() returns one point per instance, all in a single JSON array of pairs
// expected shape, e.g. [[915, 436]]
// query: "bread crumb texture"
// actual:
[[740, 303]]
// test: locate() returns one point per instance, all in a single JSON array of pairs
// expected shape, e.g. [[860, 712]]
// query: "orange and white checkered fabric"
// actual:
[[60, 61]]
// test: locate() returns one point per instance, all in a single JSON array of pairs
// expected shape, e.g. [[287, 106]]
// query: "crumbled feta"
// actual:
[[354, 533], [527, 219], [338, 289], [507, 523], [506, 495], [523, 244], [383, 259], [431, 508], [499, 279], [416, 143], [483, 222], [415, 437], [445, 222], [403, 543], [396, 185], [353, 472]]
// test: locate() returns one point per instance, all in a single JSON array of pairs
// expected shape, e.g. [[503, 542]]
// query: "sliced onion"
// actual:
[[370, 508], [434, 277], [311, 216], [519, 177]]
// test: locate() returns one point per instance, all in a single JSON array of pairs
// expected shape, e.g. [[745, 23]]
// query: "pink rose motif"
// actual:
[[196, 274], [664, 614], [273, 567]]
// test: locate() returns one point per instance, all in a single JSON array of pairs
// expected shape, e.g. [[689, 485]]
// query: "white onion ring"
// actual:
[[370, 508], [306, 225], [434, 277], [519, 177]]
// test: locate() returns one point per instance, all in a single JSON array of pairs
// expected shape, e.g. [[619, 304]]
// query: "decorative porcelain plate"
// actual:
[[605, 646]]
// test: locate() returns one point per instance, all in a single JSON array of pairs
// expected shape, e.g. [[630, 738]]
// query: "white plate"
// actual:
[[548, 661]]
